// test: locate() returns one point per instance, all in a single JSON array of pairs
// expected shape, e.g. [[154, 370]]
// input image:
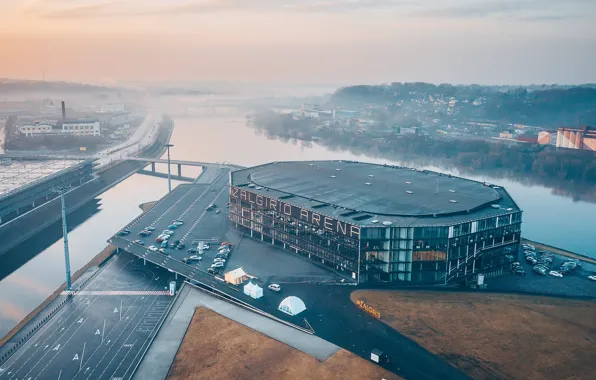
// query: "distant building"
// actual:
[[81, 127], [547, 138], [121, 119], [506, 135], [530, 139], [107, 108], [35, 129], [583, 138]]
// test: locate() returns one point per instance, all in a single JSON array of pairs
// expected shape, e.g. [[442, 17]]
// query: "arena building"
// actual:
[[379, 222]]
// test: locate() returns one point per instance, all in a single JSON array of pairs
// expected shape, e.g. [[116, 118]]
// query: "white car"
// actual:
[[593, 278], [168, 232], [555, 273], [218, 260], [217, 265], [274, 287], [195, 257], [152, 248]]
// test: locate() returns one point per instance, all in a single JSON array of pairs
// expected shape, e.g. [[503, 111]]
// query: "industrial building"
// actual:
[[379, 223], [81, 127], [25, 184], [583, 138]]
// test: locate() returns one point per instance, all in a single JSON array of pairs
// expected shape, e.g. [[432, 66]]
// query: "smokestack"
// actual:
[[63, 111]]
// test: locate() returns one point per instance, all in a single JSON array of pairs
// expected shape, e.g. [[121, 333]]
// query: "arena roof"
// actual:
[[378, 190]]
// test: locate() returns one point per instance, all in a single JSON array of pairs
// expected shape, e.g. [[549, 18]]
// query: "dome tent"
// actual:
[[292, 305], [253, 290]]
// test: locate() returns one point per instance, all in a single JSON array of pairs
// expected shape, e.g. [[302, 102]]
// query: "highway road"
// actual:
[[103, 332]]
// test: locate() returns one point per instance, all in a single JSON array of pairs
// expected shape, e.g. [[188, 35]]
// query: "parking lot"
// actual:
[[103, 332], [575, 283]]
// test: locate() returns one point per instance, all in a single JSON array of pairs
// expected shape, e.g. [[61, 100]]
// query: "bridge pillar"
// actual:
[[153, 167], [179, 170]]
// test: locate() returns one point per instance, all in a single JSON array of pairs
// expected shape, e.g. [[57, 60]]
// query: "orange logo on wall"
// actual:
[[369, 309]]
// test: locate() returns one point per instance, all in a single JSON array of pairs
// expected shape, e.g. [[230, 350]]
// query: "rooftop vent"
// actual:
[[286, 196], [452, 191], [362, 217], [251, 185], [374, 221], [495, 206], [453, 201], [338, 169], [408, 182], [311, 164], [332, 176], [496, 187], [509, 209], [367, 183], [387, 223], [258, 188], [320, 205], [409, 192], [371, 175]]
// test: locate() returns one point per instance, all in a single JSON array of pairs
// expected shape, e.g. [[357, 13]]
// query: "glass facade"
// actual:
[[423, 255]]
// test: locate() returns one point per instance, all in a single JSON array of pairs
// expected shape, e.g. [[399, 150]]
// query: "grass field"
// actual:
[[216, 347], [496, 336]]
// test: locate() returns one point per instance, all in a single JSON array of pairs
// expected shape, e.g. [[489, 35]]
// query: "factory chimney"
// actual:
[[63, 111]]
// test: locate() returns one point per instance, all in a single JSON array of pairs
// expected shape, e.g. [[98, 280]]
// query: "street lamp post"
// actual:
[[62, 190], [169, 179]]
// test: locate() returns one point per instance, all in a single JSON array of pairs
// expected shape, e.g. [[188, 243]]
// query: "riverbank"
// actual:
[[559, 251], [97, 261]]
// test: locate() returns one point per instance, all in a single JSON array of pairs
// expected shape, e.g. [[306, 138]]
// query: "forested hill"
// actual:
[[549, 106]]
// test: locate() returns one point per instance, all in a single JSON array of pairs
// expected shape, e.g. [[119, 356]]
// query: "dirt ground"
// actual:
[[496, 336], [216, 347]]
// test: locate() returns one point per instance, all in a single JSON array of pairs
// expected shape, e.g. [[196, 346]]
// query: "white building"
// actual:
[[35, 129], [81, 127], [106, 108]]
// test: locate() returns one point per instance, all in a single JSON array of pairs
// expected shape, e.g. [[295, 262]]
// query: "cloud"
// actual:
[[536, 10], [48, 8]]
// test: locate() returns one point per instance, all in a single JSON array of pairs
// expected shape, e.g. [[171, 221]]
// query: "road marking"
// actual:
[[119, 293]]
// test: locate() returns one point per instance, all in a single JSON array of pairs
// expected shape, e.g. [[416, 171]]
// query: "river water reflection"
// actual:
[[549, 218]]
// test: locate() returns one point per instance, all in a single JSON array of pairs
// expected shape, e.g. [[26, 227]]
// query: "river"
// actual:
[[549, 218]]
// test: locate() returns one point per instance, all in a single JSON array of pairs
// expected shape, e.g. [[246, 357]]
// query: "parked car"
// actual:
[[139, 242], [195, 257], [593, 278], [172, 226], [217, 211], [190, 260], [554, 273], [221, 256], [219, 260], [144, 233], [274, 287], [213, 271], [181, 245], [150, 228], [124, 233], [168, 232], [162, 250], [192, 250], [217, 265], [178, 222], [161, 238], [164, 244], [210, 207], [152, 248]]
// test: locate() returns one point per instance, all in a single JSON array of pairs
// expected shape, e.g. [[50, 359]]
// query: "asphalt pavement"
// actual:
[[103, 332]]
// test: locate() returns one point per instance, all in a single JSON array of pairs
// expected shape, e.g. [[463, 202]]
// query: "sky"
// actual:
[[300, 41]]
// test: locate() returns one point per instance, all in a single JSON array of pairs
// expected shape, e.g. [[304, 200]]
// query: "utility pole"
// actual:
[[61, 190], [169, 175]]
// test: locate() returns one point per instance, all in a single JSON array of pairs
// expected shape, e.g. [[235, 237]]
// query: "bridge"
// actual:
[[179, 163]]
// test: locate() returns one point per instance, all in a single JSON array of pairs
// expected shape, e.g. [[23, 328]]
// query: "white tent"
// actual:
[[292, 305], [253, 290], [236, 276]]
